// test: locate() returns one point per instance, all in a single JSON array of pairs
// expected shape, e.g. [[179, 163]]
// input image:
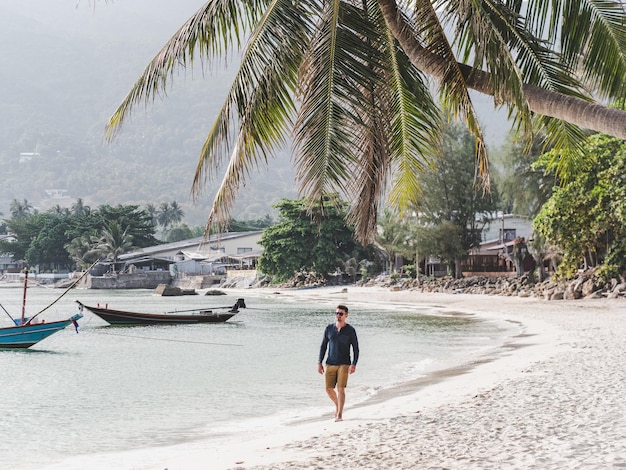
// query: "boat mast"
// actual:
[[24, 297]]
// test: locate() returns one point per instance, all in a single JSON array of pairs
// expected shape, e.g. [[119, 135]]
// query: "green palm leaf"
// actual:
[[212, 30], [259, 104]]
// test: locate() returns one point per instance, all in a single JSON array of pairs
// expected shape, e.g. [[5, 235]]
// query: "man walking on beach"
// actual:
[[338, 338]]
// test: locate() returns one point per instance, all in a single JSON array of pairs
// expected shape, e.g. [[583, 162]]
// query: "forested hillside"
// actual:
[[65, 69]]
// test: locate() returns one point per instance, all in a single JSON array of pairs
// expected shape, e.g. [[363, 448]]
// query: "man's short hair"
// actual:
[[342, 307]]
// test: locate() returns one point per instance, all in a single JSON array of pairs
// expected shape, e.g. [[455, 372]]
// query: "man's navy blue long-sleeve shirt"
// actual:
[[338, 344]]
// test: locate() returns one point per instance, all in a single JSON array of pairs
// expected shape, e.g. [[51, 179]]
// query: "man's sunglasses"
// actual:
[[341, 314]]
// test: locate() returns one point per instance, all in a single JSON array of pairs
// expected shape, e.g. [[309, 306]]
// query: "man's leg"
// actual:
[[342, 383], [331, 382], [333, 396], [341, 399]]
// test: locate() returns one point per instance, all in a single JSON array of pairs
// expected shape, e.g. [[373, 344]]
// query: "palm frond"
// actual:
[[454, 88], [259, 104], [568, 154], [599, 30], [591, 36], [225, 195], [334, 75], [415, 130], [260, 98], [212, 30]]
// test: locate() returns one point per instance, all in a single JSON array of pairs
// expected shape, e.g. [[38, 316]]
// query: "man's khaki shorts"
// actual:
[[337, 376]]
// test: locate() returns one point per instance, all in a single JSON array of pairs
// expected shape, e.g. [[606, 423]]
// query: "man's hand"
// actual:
[[352, 369], [320, 368]]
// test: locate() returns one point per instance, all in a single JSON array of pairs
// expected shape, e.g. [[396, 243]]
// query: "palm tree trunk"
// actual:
[[540, 101]]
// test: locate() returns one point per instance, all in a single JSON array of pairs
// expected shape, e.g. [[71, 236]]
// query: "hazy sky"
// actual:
[[111, 16]]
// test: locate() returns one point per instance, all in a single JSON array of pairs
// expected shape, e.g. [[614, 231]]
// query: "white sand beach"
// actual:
[[554, 399]]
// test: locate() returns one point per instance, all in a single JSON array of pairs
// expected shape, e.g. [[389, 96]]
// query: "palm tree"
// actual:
[[60, 211], [153, 212], [79, 208], [21, 209], [114, 241], [83, 250], [176, 213], [169, 214], [350, 80]]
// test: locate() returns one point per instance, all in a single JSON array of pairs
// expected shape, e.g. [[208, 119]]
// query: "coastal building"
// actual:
[[9, 265], [234, 249], [206, 261], [494, 256]]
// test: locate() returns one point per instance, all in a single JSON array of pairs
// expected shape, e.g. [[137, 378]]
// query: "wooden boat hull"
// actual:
[[25, 336], [121, 317]]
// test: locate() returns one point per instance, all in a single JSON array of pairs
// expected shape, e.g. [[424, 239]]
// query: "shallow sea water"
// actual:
[[116, 389]]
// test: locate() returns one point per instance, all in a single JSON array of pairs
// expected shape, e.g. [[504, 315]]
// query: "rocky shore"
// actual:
[[585, 285]]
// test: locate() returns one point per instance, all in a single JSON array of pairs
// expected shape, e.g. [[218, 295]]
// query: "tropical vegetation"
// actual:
[[447, 222], [585, 219], [352, 82], [64, 239], [316, 242], [453, 210], [523, 186]]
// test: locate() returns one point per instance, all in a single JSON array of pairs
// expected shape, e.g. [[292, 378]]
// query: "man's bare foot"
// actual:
[[338, 418]]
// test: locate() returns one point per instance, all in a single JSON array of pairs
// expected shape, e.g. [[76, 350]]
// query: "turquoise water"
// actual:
[[115, 389]]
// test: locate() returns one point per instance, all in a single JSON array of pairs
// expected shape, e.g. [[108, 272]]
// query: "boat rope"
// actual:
[[66, 291], [169, 340], [5, 311]]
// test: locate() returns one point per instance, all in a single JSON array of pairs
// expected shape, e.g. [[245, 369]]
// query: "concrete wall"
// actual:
[[137, 280], [197, 282]]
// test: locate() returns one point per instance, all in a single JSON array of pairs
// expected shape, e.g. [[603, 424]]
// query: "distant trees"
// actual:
[[452, 209], [319, 241], [47, 246], [395, 237], [20, 208], [82, 250], [62, 238], [250, 225], [523, 186], [114, 240], [152, 210], [24, 230], [79, 208], [57, 239], [180, 232]]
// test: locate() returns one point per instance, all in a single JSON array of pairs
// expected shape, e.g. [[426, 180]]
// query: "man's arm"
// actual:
[[355, 352], [323, 347]]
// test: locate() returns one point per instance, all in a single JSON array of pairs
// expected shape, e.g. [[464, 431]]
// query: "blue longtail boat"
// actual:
[[27, 335], [26, 332]]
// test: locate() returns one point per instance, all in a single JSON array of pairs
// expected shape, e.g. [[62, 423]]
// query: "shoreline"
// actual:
[[552, 400]]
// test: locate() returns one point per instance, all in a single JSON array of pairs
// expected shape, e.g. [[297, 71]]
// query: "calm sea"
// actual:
[[107, 390]]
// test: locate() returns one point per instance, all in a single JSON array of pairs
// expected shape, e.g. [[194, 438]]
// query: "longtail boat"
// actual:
[[26, 332], [202, 315]]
